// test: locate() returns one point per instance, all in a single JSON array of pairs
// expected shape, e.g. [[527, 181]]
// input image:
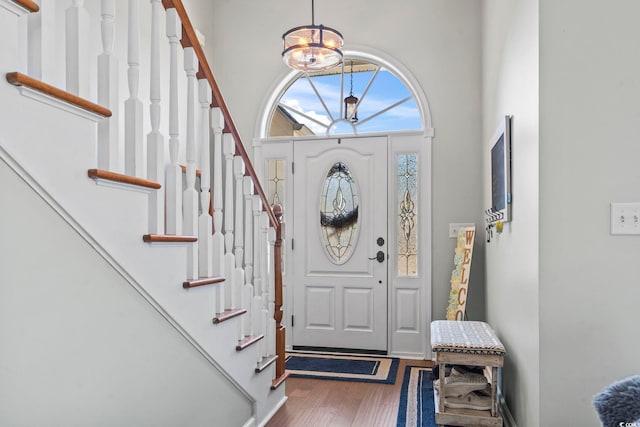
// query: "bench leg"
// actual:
[[494, 390], [441, 393]]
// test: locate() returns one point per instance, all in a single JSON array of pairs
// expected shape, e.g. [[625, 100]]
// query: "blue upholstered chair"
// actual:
[[619, 403]]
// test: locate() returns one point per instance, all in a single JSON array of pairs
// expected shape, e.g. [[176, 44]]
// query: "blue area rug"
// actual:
[[343, 368], [417, 408]]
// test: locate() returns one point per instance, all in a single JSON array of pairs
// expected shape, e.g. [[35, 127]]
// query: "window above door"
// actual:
[[316, 104]]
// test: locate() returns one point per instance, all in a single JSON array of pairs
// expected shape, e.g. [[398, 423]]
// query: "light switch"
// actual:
[[625, 218]]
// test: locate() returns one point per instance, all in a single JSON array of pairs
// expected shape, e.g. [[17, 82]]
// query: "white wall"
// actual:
[[510, 86], [438, 41], [80, 347], [589, 151]]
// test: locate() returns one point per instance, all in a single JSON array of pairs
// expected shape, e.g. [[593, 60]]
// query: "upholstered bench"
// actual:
[[467, 343]]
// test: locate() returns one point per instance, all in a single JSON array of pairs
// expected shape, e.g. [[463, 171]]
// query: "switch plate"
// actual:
[[455, 227], [625, 218]]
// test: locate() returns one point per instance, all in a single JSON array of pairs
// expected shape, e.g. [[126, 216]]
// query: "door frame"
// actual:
[[409, 299]]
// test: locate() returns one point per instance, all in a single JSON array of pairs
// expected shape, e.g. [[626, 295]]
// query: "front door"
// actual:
[[339, 256]]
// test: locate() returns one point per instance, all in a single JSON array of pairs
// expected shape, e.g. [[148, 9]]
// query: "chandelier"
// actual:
[[312, 47]]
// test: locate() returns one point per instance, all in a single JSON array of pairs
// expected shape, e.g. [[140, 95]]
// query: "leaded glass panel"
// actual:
[[339, 213], [407, 170], [276, 179]]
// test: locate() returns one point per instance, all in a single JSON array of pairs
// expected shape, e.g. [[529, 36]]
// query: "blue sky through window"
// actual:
[[385, 91]]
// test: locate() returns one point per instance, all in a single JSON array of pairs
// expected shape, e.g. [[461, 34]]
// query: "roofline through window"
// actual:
[[358, 53]]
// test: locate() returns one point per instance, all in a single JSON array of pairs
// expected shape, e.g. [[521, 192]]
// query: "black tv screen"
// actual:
[[501, 170], [498, 176]]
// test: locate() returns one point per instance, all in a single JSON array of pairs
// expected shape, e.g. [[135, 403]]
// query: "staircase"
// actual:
[[161, 187]]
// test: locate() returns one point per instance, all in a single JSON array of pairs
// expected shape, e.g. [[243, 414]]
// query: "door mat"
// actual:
[[343, 368]]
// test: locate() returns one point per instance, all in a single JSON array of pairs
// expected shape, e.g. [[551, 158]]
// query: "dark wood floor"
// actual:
[[326, 403]]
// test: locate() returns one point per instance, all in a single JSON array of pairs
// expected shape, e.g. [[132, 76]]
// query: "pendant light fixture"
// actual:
[[312, 47], [350, 102]]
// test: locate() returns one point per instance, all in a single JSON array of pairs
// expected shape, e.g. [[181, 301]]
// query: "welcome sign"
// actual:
[[460, 274]]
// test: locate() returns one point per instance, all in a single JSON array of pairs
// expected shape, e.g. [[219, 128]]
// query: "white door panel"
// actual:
[[340, 302]]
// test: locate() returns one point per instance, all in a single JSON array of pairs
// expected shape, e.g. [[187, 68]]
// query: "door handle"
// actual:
[[379, 257]]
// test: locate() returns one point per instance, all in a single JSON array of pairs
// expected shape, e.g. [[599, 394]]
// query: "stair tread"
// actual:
[[265, 362], [202, 282], [123, 179], [277, 382], [248, 341], [228, 314], [168, 238], [19, 79], [29, 5]]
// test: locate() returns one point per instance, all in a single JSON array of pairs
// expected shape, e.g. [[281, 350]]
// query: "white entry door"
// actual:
[[340, 250]]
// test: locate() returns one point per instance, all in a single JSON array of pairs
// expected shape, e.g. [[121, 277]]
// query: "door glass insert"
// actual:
[[339, 213], [407, 169], [276, 180]]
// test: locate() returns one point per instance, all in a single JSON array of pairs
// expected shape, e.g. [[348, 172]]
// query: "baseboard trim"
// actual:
[[273, 412], [506, 413]]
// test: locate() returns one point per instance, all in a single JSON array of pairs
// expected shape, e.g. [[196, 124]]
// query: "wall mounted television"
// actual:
[[501, 171]]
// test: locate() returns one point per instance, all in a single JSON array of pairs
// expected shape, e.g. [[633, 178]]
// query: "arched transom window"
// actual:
[[358, 97]]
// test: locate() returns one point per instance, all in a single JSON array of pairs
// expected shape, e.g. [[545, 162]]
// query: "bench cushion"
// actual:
[[464, 337]]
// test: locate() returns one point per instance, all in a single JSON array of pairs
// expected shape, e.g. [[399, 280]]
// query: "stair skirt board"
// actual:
[[31, 182]]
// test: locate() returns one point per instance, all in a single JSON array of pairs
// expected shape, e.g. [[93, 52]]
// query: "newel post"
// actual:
[[278, 297]]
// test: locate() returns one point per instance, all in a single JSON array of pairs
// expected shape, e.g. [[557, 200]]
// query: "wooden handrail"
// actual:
[[189, 39]]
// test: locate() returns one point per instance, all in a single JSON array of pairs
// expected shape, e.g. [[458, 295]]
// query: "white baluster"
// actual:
[[248, 249], [264, 318], [77, 49], [264, 272], [238, 169], [217, 126], [247, 299], [190, 194], [229, 151], [108, 92], [257, 276], [230, 297], [173, 190], [271, 322], [205, 237], [133, 149], [238, 284], [229, 148], [155, 140], [22, 48], [270, 338], [45, 41], [257, 323], [264, 254]]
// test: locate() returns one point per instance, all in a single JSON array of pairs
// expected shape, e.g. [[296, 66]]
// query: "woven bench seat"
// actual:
[[464, 337]]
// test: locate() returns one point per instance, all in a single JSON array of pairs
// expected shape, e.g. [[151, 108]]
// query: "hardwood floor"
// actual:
[[326, 403]]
